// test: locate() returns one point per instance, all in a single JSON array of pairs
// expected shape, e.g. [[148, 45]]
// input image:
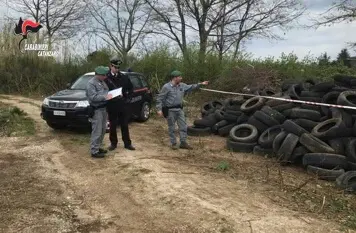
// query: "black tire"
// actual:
[[258, 124], [293, 128], [274, 103], [283, 107], [306, 124], [325, 160], [215, 104], [323, 87], [331, 128], [244, 133], [258, 150], [347, 181], [219, 125], [265, 119], [298, 154], [351, 166], [342, 114], [311, 107], [350, 150], [230, 117], [277, 142], [242, 119], [329, 98], [338, 145], [145, 112], [345, 80], [314, 144], [311, 99], [207, 121], [225, 130], [304, 114], [253, 104], [311, 94], [325, 174], [240, 146], [268, 92], [347, 98], [294, 91], [207, 109], [219, 115], [286, 149], [267, 137], [56, 126], [198, 132], [274, 114]]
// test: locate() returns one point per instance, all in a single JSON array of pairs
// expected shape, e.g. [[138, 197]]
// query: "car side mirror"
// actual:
[[68, 85]]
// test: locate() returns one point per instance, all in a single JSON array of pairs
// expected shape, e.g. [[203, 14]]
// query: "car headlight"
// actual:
[[45, 102], [82, 104]]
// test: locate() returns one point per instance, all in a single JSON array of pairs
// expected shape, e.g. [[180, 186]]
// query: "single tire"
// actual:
[[286, 150], [198, 132], [258, 150], [338, 145], [311, 99], [342, 114], [298, 154], [253, 104], [350, 150], [311, 107], [145, 112], [274, 103], [219, 115], [306, 124], [207, 121], [207, 109], [265, 119], [329, 98], [294, 91], [325, 160], [261, 127], [242, 119], [347, 98], [244, 133], [274, 114], [325, 174], [277, 142], [323, 87], [219, 125], [304, 114], [331, 128], [283, 107], [215, 104], [293, 128], [311, 94], [267, 137], [240, 146], [225, 130], [314, 144], [347, 181]]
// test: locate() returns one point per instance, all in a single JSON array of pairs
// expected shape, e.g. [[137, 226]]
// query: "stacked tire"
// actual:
[[320, 138]]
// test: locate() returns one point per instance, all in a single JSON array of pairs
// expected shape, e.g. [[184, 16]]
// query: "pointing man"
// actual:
[[170, 105], [97, 93]]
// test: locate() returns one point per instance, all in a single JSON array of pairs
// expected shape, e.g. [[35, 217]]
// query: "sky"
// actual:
[[301, 42]]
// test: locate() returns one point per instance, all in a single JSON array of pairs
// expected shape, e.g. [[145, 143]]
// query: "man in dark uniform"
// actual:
[[118, 108]]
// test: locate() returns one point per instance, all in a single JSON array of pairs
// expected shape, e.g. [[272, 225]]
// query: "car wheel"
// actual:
[[56, 125], [145, 112]]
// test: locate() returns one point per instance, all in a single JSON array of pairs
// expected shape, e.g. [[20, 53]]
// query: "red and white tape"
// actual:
[[282, 99]]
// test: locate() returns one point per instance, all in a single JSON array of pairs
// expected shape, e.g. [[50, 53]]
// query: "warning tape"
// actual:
[[282, 99]]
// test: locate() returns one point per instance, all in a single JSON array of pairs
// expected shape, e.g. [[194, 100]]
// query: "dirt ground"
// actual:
[[49, 183]]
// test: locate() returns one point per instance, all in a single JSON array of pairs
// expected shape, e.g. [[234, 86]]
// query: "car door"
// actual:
[[137, 96]]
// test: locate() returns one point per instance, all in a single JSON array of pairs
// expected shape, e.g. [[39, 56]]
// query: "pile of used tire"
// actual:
[[322, 139]]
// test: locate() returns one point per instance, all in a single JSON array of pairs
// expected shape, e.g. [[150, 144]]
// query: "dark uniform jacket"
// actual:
[[114, 82]]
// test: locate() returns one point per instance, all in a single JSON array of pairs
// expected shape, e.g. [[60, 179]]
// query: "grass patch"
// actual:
[[223, 166], [15, 122]]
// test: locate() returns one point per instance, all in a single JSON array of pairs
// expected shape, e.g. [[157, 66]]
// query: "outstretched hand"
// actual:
[[109, 97], [205, 83]]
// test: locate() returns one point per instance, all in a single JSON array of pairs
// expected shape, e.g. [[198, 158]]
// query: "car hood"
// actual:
[[69, 95]]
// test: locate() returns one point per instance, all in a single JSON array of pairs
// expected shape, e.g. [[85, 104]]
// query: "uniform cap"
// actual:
[[101, 70], [176, 73], [115, 62]]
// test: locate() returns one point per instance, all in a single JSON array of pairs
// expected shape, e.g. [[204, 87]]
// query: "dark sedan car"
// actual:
[[69, 107]]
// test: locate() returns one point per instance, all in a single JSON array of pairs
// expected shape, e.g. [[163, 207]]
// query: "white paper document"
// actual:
[[116, 92]]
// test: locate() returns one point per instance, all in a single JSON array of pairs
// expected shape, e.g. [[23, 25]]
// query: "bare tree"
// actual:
[[256, 18], [170, 21], [62, 19], [120, 23], [341, 11]]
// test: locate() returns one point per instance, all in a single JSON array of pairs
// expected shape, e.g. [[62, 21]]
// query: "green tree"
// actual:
[[343, 57], [324, 59]]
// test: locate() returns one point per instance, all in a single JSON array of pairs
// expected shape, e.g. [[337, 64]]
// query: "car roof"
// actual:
[[123, 72]]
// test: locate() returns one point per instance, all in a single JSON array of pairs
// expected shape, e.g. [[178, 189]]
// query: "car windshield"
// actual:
[[81, 82]]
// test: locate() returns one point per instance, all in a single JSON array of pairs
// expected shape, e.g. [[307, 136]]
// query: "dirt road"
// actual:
[[53, 185]]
